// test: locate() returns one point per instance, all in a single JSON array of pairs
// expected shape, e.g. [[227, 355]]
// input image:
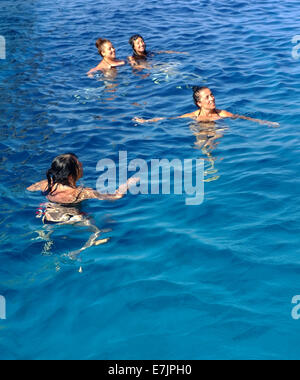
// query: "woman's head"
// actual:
[[138, 44], [204, 98], [65, 170], [106, 48]]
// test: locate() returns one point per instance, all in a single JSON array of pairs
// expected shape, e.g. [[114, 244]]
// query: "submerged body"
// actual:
[[62, 214]]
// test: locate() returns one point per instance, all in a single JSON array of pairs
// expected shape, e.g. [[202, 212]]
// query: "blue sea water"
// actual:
[[213, 281]]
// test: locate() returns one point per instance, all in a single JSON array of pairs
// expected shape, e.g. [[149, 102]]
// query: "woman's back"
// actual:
[[66, 195]]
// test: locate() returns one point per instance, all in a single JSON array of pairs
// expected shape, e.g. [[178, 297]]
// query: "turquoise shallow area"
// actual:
[[175, 282]]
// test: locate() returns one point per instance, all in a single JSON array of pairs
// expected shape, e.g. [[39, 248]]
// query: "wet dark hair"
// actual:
[[132, 41], [99, 44], [197, 90], [62, 168]]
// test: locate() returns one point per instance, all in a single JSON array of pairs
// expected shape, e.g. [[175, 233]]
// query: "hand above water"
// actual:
[[126, 186], [270, 124], [142, 121]]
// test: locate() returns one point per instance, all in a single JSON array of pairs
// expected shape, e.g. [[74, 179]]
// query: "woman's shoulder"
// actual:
[[88, 193], [191, 115], [65, 195], [224, 113]]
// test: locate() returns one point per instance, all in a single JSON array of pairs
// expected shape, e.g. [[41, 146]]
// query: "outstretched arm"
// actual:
[[262, 122], [93, 194], [171, 52], [142, 121], [226, 114]]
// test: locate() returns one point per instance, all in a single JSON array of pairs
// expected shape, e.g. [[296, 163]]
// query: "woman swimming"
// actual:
[[108, 53], [65, 196], [207, 112], [140, 54]]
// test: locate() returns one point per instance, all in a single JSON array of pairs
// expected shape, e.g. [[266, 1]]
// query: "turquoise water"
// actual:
[[175, 282]]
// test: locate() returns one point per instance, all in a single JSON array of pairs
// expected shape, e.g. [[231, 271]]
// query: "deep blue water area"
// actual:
[[213, 281]]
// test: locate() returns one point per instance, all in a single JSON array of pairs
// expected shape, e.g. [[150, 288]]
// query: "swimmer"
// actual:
[[140, 54], [65, 196], [60, 186], [108, 53], [207, 112]]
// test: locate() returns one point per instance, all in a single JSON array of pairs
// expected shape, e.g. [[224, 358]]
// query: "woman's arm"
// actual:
[[91, 73], [93, 194], [95, 70], [137, 65], [132, 61], [143, 121], [171, 52], [39, 186], [262, 122], [186, 116]]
